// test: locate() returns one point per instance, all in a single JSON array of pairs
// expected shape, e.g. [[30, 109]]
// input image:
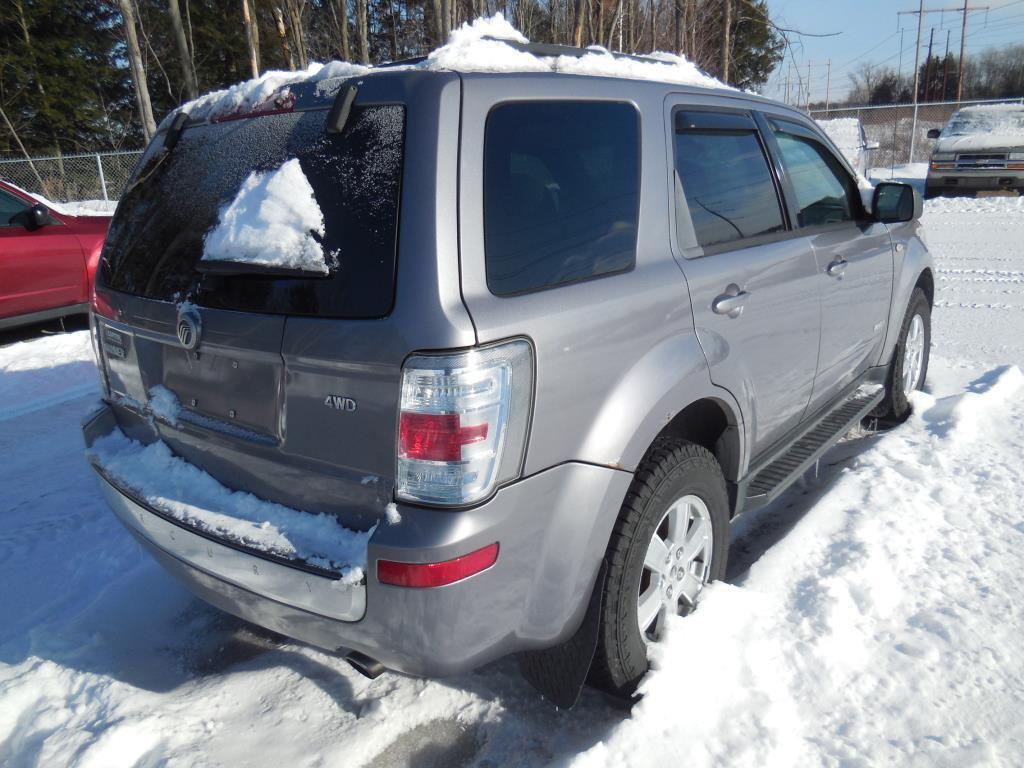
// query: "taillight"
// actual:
[[401, 574], [463, 423], [97, 350]]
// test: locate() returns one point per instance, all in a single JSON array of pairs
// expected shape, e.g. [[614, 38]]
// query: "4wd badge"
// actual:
[[339, 403]]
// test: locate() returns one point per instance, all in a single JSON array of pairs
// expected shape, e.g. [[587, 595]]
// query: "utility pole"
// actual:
[[789, 77], [965, 9], [960, 63], [945, 68], [928, 67], [828, 81], [917, 77], [896, 123], [808, 86]]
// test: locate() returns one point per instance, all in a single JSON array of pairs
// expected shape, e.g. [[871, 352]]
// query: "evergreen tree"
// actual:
[[63, 84]]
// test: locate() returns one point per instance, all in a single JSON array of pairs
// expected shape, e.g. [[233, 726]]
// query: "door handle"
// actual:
[[731, 302], [837, 268]]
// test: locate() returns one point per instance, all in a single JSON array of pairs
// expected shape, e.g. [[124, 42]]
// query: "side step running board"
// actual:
[[770, 477]]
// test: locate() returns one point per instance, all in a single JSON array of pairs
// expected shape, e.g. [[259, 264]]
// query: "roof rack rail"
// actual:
[[553, 49], [402, 62]]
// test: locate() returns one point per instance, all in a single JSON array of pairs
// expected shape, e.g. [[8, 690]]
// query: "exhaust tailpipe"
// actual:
[[364, 665]]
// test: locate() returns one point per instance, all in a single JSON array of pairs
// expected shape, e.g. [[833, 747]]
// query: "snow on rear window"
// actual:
[[272, 221]]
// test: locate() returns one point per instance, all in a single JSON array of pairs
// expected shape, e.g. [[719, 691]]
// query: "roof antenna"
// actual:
[[342, 107]]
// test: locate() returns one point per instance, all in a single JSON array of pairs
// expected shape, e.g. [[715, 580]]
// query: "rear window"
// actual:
[[727, 184], [157, 237], [561, 193]]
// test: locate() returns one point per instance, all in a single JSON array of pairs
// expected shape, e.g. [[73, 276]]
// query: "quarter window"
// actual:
[[824, 192], [725, 178], [561, 193]]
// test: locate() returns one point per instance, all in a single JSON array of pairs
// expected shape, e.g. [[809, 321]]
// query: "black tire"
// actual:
[[671, 469], [895, 406]]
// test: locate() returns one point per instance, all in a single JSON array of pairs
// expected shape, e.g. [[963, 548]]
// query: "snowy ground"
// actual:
[[872, 616], [909, 173]]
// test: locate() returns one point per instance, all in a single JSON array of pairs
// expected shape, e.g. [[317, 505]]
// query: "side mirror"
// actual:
[[894, 203], [36, 217], [40, 216], [934, 133], [872, 145]]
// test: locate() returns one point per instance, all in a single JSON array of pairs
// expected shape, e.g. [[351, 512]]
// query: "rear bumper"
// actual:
[[552, 528]]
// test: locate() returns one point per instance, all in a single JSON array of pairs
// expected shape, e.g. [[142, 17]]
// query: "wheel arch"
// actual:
[[710, 423], [926, 282], [668, 393]]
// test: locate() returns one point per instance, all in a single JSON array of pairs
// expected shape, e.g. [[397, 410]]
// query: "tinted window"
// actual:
[[9, 206], [561, 193], [728, 187], [822, 188], [156, 238]]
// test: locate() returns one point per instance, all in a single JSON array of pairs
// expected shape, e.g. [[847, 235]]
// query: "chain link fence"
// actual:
[[72, 178], [901, 134]]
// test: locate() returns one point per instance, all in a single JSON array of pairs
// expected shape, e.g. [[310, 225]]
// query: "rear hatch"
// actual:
[[292, 390]]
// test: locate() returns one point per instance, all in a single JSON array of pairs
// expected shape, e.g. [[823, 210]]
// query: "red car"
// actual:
[[47, 259]]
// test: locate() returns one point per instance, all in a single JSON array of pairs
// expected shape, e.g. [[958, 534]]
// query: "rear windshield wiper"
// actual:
[[228, 268]]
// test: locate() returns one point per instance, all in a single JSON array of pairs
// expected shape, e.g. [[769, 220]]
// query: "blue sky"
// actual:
[[869, 31]]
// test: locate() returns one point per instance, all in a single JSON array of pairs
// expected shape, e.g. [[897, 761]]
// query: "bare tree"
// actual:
[[184, 54], [138, 71], [362, 32], [577, 35], [297, 30], [342, 6], [446, 20], [252, 38], [726, 43], [282, 34]]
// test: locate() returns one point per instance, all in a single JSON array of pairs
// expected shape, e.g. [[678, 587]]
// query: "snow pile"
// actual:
[[876, 622], [164, 405], [271, 222], [186, 493], [466, 50], [844, 132], [989, 204], [45, 372]]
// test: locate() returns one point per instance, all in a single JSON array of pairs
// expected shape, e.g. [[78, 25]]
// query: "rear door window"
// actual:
[[824, 192], [156, 240], [561, 193], [723, 170]]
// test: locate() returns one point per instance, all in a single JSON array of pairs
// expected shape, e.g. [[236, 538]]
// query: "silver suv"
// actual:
[[561, 331]]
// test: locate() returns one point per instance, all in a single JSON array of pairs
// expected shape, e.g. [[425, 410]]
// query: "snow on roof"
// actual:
[[1007, 106], [470, 48]]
